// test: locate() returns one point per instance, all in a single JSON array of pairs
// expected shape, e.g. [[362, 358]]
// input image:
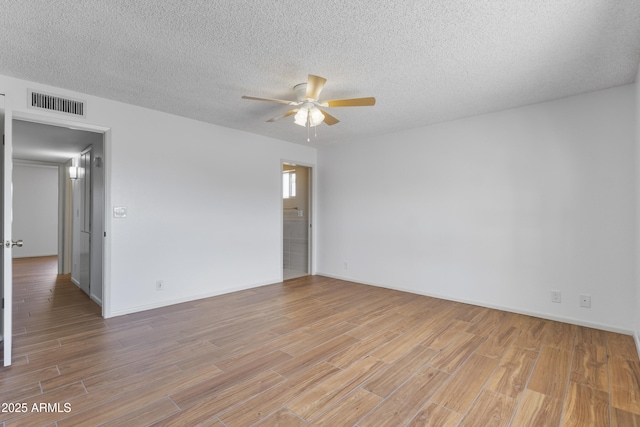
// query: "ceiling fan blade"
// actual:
[[329, 119], [279, 101], [353, 102], [314, 86], [282, 116]]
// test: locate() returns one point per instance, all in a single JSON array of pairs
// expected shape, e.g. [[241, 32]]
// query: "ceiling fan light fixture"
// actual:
[[308, 116], [301, 117], [315, 116]]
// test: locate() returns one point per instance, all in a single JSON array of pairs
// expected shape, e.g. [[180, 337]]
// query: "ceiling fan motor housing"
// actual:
[[301, 91]]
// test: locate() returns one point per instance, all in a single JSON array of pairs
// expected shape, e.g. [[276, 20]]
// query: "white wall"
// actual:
[[497, 210], [35, 209], [194, 220], [637, 251]]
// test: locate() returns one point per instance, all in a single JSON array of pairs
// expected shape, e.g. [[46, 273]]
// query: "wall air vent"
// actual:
[[58, 104]]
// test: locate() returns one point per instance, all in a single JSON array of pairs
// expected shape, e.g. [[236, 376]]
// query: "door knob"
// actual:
[[13, 243]]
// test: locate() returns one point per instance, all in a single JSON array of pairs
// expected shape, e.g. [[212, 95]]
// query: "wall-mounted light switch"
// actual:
[[119, 211]]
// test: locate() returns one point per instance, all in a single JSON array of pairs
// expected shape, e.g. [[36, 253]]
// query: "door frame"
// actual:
[[51, 120], [311, 231], [7, 208]]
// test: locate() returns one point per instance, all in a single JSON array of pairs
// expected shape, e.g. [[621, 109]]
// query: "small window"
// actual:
[[288, 184]]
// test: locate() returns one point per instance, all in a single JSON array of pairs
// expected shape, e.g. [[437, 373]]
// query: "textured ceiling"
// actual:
[[425, 61]]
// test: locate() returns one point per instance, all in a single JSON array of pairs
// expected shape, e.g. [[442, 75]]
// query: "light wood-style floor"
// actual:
[[311, 351]]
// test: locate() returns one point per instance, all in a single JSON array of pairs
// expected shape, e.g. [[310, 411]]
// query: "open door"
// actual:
[[296, 216], [6, 159]]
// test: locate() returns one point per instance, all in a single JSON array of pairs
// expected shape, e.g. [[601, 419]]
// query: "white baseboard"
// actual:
[[547, 316], [96, 299], [15, 254]]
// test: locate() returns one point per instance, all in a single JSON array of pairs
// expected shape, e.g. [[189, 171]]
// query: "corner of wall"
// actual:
[[636, 329]]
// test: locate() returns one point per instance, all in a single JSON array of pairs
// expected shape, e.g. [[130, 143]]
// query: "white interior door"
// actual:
[[6, 276]]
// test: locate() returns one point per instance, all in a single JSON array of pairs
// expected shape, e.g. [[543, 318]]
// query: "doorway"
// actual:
[[296, 217], [45, 150], [78, 157]]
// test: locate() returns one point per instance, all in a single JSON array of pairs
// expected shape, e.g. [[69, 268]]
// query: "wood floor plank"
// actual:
[[585, 406], [486, 323], [241, 358], [435, 416], [20, 350], [380, 322], [320, 398], [624, 377], [347, 411], [145, 415], [620, 418], [246, 343], [513, 373], [591, 336], [400, 345], [455, 354], [472, 313], [35, 376], [490, 410], [212, 406], [395, 373], [94, 369], [317, 338], [363, 348], [460, 391], [138, 367], [312, 357], [403, 405], [622, 346], [258, 406], [589, 366], [228, 358], [337, 352], [532, 334], [214, 385], [445, 332], [281, 418], [537, 409], [20, 393], [560, 335], [124, 403], [499, 342], [551, 373], [86, 401], [72, 351], [338, 319]]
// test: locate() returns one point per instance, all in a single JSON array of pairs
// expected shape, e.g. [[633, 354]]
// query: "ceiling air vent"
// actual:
[[45, 101]]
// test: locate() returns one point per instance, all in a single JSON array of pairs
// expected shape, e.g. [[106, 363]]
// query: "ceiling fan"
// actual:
[[308, 110]]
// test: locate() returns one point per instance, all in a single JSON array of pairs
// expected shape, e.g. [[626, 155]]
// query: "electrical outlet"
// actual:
[[160, 285], [556, 296], [346, 265], [585, 301]]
